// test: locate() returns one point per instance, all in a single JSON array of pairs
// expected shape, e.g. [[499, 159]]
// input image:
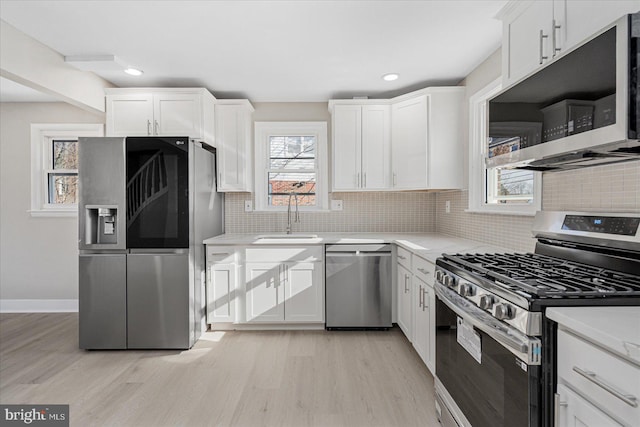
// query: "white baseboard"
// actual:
[[38, 305]]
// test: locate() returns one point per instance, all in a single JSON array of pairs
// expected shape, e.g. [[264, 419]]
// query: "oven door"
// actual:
[[489, 370]]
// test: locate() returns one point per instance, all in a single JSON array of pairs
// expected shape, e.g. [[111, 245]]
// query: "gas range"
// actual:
[[513, 288], [491, 329]]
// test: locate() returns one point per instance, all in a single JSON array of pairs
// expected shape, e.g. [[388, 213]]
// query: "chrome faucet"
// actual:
[[297, 217]]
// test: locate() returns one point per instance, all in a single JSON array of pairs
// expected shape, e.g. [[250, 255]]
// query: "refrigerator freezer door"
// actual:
[[158, 301], [103, 301], [101, 202]]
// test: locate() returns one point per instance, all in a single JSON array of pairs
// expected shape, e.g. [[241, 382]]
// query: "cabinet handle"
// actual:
[[542, 37], [554, 39], [423, 271], [420, 298], [148, 127], [406, 283], [365, 180], [394, 179], [424, 298], [156, 127], [629, 399], [556, 408]]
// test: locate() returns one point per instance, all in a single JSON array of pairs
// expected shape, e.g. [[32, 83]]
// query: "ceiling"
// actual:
[[275, 51]]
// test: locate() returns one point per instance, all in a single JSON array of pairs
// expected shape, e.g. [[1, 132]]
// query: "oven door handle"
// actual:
[[523, 346]]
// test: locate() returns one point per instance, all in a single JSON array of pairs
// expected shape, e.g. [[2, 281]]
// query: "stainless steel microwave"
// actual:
[[580, 110]]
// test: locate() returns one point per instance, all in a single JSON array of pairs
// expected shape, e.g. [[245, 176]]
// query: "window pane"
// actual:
[[509, 186], [292, 152], [65, 154], [63, 188], [283, 184]]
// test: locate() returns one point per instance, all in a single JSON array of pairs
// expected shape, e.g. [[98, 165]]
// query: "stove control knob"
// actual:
[[439, 275], [504, 312], [449, 281], [486, 302], [466, 290]]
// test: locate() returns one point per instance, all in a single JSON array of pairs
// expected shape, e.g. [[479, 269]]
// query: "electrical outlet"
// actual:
[[447, 206], [336, 205], [248, 206]]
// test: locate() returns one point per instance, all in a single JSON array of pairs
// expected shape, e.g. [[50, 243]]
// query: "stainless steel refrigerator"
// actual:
[[145, 206]]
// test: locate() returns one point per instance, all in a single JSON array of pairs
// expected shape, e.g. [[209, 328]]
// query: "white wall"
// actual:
[[38, 256]]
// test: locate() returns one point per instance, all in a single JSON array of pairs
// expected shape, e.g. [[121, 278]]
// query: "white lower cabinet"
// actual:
[[424, 337], [221, 287], [595, 386], [405, 302], [284, 292], [575, 411]]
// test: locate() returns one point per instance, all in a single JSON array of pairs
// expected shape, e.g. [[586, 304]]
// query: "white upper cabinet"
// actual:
[[426, 135], [412, 142], [161, 112], [579, 20], [233, 140], [361, 146], [525, 40], [536, 32], [410, 139]]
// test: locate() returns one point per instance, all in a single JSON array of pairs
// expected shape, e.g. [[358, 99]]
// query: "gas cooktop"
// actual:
[[540, 276]]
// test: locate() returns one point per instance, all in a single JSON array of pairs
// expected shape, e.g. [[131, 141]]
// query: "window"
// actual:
[[291, 162], [54, 167], [507, 191]]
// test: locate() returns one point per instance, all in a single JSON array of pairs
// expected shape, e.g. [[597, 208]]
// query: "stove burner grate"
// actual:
[[545, 276]]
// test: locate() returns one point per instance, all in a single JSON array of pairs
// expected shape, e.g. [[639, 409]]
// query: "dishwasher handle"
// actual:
[[357, 253]]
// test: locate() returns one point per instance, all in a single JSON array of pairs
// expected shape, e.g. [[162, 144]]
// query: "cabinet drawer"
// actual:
[[404, 257], [423, 269], [601, 377], [281, 254], [221, 254]]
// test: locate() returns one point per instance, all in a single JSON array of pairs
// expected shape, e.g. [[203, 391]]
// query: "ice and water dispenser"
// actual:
[[101, 225]]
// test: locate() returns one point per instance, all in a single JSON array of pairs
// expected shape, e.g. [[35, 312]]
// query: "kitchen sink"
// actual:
[[274, 238]]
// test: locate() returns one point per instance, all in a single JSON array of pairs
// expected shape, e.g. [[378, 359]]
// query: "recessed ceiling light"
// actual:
[[390, 77], [133, 71]]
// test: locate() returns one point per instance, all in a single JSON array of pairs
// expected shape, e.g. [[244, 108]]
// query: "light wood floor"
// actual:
[[288, 378]]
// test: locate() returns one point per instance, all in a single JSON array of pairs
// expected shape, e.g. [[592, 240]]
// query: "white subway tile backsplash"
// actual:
[[362, 212], [612, 188]]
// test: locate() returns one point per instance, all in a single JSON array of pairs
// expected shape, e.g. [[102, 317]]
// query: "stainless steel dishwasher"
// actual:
[[358, 286]]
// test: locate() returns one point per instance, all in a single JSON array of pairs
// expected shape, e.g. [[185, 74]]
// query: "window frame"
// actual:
[[263, 131], [42, 135], [478, 121]]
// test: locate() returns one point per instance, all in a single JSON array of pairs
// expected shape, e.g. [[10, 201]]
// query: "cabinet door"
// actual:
[[303, 292], [130, 115], [579, 20], [264, 293], [574, 411], [376, 147], [221, 293], [409, 136], [234, 154], [347, 145], [524, 45], [421, 326], [405, 304], [177, 115]]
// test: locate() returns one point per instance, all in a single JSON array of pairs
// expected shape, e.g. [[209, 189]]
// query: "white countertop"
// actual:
[[426, 245], [615, 328]]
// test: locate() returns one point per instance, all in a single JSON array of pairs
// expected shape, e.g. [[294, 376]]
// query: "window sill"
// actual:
[[500, 212], [42, 213]]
